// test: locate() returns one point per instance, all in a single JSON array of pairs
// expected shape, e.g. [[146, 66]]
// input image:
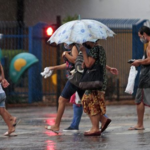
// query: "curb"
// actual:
[[44, 104]]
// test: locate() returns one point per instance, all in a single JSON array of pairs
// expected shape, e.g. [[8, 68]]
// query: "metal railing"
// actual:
[[18, 39]]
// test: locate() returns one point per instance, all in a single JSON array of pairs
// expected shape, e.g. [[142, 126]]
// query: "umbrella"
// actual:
[[80, 31]]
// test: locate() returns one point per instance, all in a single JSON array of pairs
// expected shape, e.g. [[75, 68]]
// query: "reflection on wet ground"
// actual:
[[33, 136]]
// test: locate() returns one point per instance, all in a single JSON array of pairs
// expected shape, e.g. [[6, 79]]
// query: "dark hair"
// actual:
[[144, 29], [73, 44]]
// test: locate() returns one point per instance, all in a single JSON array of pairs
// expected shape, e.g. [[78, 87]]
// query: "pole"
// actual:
[[58, 24], [118, 92]]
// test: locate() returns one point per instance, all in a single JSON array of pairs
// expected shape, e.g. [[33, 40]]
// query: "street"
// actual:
[[31, 134]]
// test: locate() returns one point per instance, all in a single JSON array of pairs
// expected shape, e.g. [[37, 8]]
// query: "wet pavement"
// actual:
[[31, 134]]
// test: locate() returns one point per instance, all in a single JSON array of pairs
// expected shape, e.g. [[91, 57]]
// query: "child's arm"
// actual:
[[5, 83]]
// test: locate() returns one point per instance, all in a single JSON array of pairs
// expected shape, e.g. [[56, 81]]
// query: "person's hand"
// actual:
[[136, 63], [5, 83], [64, 53], [82, 48], [114, 71]]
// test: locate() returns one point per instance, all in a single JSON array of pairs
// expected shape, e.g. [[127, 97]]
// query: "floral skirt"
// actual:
[[93, 102]]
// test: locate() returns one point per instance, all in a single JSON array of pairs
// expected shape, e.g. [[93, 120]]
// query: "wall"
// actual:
[[8, 10], [46, 10]]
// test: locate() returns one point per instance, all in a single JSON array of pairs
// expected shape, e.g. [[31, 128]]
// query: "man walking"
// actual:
[[142, 98]]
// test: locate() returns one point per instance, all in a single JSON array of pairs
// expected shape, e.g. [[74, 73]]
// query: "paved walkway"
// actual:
[[33, 136]]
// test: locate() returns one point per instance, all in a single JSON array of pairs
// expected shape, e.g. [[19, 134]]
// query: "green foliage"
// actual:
[[11, 53], [69, 18]]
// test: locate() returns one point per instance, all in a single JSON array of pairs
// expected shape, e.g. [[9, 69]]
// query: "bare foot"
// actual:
[[92, 133], [87, 131], [92, 130]]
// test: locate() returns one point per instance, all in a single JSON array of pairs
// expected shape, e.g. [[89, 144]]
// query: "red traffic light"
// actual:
[[49, 31]]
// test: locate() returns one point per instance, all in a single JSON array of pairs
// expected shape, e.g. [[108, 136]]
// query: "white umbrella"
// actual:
[[80, 31]]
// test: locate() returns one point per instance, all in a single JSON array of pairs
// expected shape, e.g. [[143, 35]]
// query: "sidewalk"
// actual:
[[40, 104], [33, 136]]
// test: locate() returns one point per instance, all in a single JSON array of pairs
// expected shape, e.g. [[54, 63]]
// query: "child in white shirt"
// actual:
[[7, 117]]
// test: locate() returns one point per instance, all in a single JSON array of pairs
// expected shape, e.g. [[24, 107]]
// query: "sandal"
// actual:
[[17, 122], [50, 128], [134, 128], [9, 134], [105, 125]]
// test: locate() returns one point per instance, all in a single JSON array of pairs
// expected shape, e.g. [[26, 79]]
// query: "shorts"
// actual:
[[2, 99], [143, 95], [70, 89]]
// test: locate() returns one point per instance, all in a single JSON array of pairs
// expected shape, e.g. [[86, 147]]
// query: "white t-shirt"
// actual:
[[1, 89]]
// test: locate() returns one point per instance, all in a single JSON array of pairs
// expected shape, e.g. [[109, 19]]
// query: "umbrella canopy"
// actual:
[[80, 31]]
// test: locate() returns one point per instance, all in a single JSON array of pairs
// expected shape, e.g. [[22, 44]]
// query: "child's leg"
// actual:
[[7, 118], [77, 114], [11, 118]]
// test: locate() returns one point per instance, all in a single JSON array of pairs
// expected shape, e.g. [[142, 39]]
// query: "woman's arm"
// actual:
[[58, 67], [71, 58], [112, 70]]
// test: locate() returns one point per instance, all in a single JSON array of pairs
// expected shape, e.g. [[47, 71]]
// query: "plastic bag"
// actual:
[[75, 99], [72, 99], [47, 72], [131, 80]]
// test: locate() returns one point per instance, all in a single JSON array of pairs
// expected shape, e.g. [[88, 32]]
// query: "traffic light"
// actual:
[[48, 32]]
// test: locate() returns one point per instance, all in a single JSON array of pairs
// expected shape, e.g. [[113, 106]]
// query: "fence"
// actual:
[[31, 87], [15, 41]]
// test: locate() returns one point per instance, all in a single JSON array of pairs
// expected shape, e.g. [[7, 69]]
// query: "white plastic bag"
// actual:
[[77, 98], [47, 72], [131, 80]]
